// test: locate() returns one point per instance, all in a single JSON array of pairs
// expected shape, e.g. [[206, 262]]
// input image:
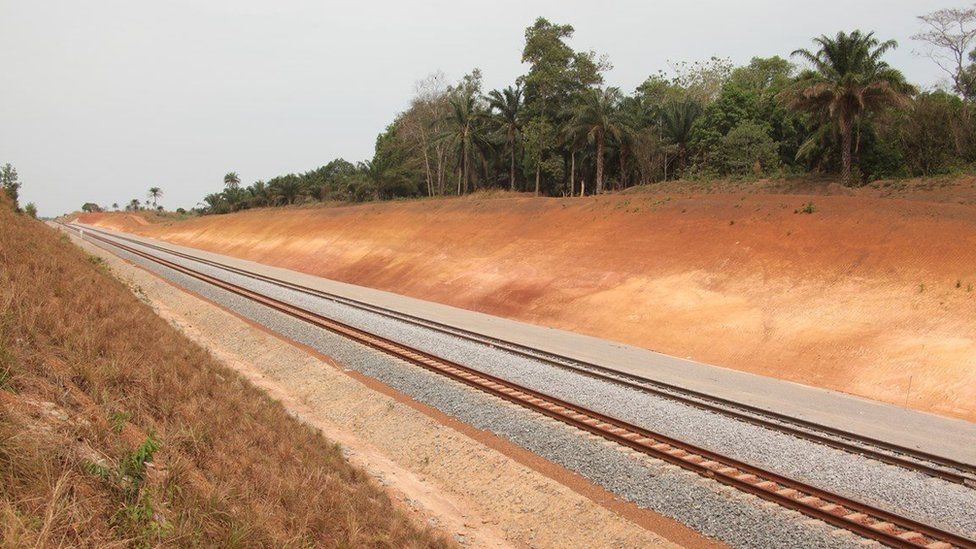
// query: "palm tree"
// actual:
[[286, 190], [134, 205], [463, 132], [677, 121], [508, 103], [258, 194], [214, 202], [598, 116], [232, 180], [115, 206], [155, 193], [848, 81]]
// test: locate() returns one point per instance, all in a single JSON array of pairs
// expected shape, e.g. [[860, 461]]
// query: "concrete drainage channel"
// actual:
[[702, 504]]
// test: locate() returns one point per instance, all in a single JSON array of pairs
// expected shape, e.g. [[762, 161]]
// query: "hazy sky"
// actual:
[[99, 100]]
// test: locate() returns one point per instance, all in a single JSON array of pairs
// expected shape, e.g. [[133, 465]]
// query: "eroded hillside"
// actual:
[[863, 294]]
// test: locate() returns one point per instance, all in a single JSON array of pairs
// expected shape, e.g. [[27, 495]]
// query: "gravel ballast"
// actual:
[[704, 505]]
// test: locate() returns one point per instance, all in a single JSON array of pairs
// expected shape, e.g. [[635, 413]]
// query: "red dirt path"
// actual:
[[860, 296]]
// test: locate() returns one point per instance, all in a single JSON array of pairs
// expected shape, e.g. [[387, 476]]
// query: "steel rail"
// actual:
[[863, 519], [941, 467]]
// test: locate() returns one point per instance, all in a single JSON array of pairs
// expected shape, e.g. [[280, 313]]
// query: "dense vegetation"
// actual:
[[559, 131]]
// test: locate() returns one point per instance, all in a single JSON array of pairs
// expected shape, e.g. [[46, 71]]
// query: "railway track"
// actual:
[[843, 512], [908, 458]]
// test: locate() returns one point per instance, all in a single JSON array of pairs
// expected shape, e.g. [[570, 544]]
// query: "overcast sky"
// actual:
[[99, 100]]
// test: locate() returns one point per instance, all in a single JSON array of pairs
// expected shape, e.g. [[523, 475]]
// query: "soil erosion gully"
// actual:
[[863, 519]]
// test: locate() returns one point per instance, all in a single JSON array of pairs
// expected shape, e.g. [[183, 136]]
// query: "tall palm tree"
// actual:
[[232, 180], [677, 121], [848, 81], [155, 193], [508, 103], [598, 116], [463, 132]]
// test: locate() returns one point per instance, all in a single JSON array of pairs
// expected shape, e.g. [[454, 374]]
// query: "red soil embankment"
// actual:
[[870, 296]]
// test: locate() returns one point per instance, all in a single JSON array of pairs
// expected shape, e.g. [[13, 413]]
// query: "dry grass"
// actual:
[[117, 430]]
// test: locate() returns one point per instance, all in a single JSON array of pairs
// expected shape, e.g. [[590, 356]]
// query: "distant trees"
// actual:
[[506, 110], [949, 34], [10, 182], [232, 180], [155, 193], [90, 207], [597, 117], [848, 80], [558, 130]]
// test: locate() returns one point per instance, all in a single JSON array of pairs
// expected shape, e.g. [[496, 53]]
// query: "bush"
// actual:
[[747, 149]]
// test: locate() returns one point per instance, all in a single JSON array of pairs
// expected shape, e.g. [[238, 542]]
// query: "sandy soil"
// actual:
[[869, 294], [480, 489]]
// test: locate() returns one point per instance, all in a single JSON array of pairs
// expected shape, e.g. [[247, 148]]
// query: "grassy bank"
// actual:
[[117, 430]]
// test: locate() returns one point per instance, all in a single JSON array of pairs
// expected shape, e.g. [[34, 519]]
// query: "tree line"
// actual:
[[558, 130]]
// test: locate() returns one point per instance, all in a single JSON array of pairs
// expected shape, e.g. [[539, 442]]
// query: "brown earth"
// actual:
[[872, 293]]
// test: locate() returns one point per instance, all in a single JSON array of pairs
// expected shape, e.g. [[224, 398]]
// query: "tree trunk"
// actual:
[[440, 171], [511, 172], [459, 180], [464, 162], [484, 165], [538, 174], [623, 164], [430, 182], [572, 173], [845, 152], [599, 164]]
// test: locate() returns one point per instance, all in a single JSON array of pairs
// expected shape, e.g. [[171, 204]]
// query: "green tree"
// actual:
[[539, 137], [506, 107], [31, 209], [747, 148], [929, 134], [10, 183], [232, 180], [849, 80], [90, 207], [258, 194], [285, 190], [462, 122], [155, 193], [597, 116], [677, 123], [213, 203], [556, 72]]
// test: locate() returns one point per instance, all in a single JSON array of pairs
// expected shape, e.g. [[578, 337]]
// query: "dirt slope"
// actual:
[[868, 295], [118, 431]]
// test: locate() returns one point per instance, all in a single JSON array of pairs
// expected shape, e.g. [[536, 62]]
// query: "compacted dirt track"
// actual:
[[866, 295]]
